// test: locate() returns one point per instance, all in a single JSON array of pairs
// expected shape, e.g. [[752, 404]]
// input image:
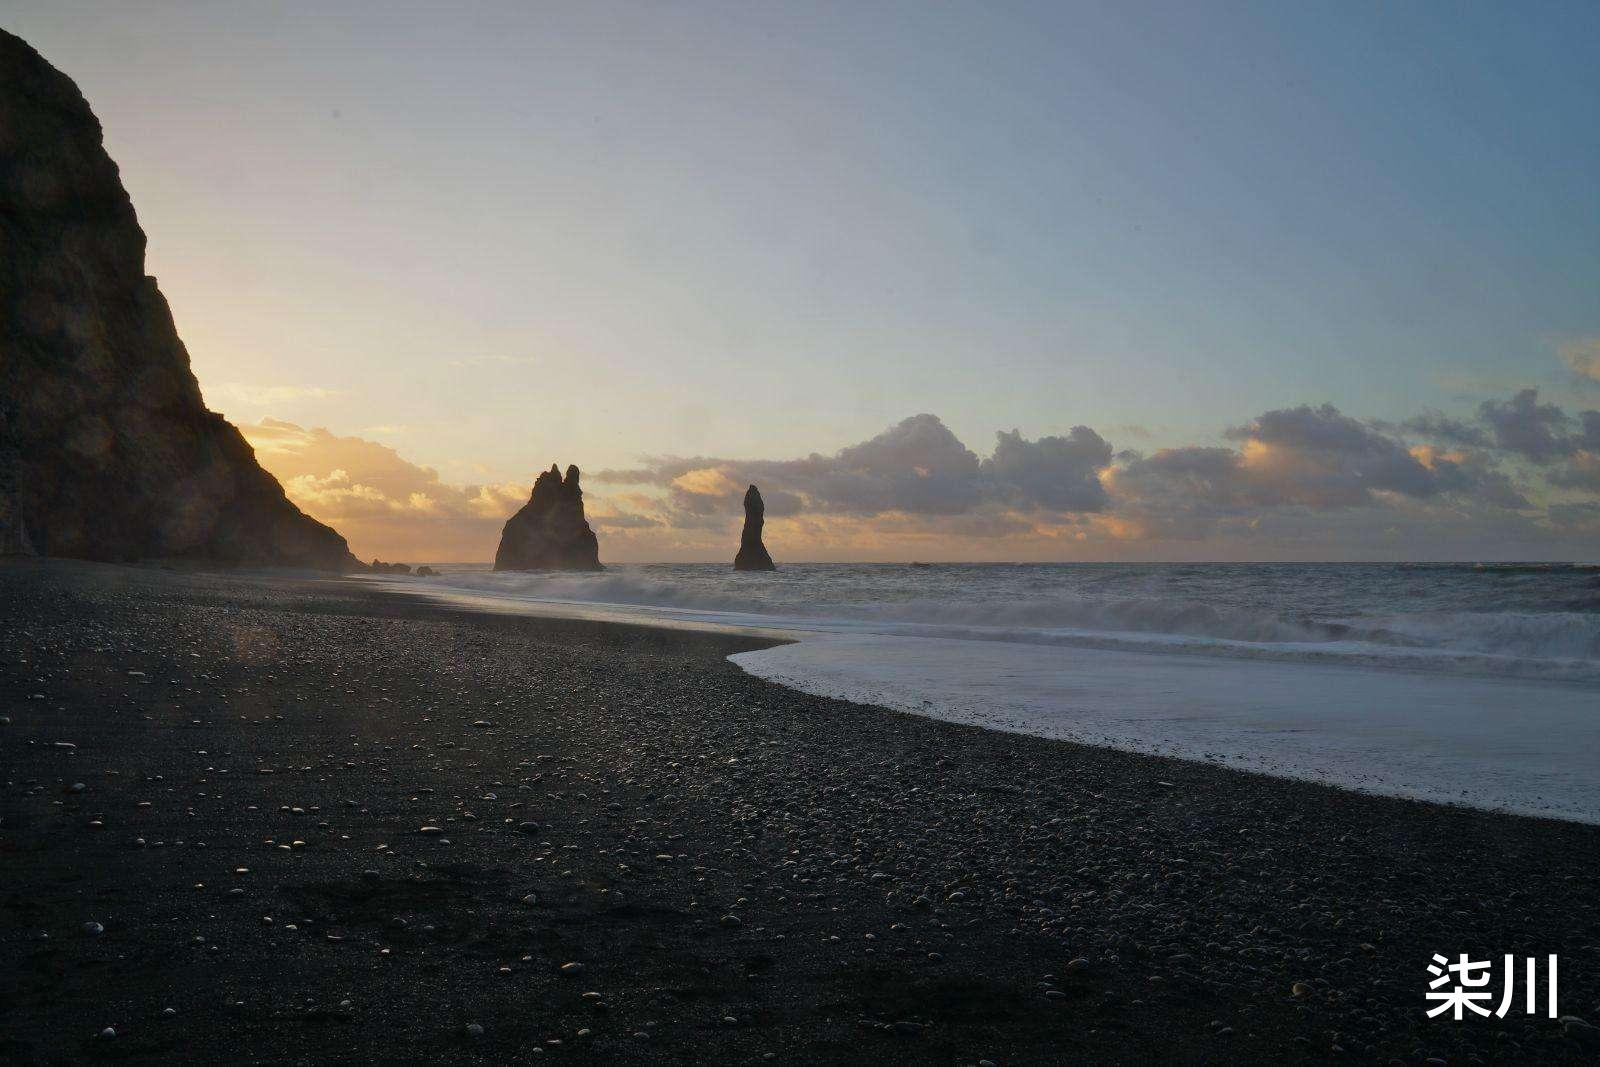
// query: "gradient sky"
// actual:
[[493, 236]]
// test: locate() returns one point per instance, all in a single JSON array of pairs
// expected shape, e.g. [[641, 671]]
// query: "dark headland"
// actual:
[[318, 822], [107, 451]]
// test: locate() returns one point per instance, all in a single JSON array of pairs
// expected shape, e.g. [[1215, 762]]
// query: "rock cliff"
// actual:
[[107, 451], [752, 553], [549, 532]]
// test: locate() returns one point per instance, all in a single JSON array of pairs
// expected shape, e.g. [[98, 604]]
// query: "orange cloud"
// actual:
[[1298, 482], [1583, 357], [385, 505], [706, 481]]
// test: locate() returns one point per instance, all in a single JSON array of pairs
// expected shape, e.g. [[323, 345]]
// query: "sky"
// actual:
[[955, 281]]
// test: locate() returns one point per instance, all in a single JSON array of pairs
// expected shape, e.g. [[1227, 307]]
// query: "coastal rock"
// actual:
[[378, 566], [107, 450], [752, 553], [549, 532], [426, 571]]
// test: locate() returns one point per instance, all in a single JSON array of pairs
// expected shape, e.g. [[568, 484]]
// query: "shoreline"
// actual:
[[1394, 732], [841, 882]]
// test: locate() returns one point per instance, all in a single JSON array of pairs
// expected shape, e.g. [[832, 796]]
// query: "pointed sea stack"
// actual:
[[752, 553], [550, 533], [107, 451]]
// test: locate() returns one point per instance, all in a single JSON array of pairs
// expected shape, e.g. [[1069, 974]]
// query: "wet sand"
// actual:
[[318, 822]]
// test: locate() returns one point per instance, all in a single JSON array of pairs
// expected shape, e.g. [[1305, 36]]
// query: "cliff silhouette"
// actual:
[[107, 450]]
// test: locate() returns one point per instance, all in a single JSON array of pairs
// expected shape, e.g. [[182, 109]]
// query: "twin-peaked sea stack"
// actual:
[[753, 554], [107, 450], [549, 533]]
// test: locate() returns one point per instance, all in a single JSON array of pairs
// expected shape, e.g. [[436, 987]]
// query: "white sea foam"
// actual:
[[1507, 745], [1037, 605], [1452, 683]]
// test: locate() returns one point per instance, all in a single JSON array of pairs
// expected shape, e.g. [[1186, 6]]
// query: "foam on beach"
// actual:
[[1474, 696], [1498, 744]]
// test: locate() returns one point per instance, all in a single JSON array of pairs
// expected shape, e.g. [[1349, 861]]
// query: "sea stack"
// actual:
[[550, 532], [752, 553], [107, 451]]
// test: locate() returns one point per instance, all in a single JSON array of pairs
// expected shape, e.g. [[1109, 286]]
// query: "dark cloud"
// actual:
[[916, 466], [1437, 426], [1180, 494], [1589, 439], [1303, 459], [1296, 459], [1322, 458], [1544, 434], [1214, 475], [1528, 428], [1474, 474], [1582, 471], [1057, 473]]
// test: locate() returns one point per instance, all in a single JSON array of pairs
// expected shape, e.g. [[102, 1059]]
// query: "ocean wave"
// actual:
[[1548, 635], [1019, 605]]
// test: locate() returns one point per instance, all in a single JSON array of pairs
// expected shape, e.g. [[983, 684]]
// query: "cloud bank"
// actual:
[[1518, 477], [1305, 480], [916, 467]]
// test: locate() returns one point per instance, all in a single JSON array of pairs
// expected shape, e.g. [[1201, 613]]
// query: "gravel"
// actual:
[[899, 888]]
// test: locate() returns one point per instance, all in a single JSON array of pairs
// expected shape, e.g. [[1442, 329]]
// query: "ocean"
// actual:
[[1471, 684]]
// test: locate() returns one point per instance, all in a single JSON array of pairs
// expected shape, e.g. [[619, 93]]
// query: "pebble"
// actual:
[[776, 826], [93, 929], [572, 970]]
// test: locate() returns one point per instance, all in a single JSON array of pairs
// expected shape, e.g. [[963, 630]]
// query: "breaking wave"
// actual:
[[1520, 620]]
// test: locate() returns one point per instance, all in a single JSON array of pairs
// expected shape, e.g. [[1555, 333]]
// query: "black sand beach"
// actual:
[[635, 852]]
